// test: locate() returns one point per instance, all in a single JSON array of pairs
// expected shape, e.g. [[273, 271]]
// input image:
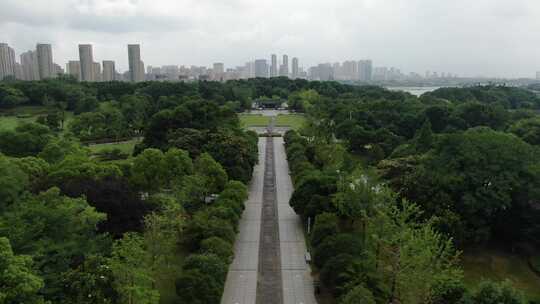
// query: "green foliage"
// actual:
[[214, 175], [192, 193], [465, 169], [57, 149], [311, 196], [10, 97], [527, 129], [219, 247], [162, 230], [202, 279], [149, 169], [326, 225], [358, 294], [55, 230], [13, 181], [20, 284], [35, 169], [91, 282], [202, 226], [178, 164], [335, 245], [508, 97], [194, 287], [489, 292], [28, 139], [130, 265]]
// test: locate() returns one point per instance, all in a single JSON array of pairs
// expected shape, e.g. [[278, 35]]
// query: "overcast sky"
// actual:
[[469, 37]]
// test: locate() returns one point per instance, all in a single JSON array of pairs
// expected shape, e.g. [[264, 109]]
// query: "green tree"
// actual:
[[18, 282], [162, 230], [410, 256], [357, 295], [91, 282], [148, 170], [55, 230], [424, 137], [57, 149], [130, 265], [215, 176], [195, 287], [219, 247], [192, 193], [326, 225], [178, 164], [528, 130], [10, 97], [489, 292], [13, 181]]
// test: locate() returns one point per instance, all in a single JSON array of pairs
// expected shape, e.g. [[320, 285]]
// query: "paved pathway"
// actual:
[[241, 284], [295, 272], [274, 270]]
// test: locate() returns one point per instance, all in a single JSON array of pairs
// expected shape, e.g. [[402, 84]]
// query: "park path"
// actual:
[[272, 270], [241, 284], [295, 272]]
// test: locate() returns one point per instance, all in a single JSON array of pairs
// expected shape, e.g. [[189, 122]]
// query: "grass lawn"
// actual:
[[126, 147], [294, 121], [10, 119], [496, 265], [253, 120], [11, 122]]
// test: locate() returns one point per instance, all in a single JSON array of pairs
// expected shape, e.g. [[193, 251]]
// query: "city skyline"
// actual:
[[408, 34], [87, 69]]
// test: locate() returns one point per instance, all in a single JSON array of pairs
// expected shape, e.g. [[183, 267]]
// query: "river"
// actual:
[[417, 91]]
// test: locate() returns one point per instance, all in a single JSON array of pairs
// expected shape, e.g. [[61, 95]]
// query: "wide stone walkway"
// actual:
[[275, 271], [241, 284], [295, 272]]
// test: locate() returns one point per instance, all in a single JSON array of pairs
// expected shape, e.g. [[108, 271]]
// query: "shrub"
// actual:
[[357, 295], [219, 247], [326, 224], [336, 245]]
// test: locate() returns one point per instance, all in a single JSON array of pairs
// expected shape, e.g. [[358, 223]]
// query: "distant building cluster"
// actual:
[[34, 64], [38, 64]]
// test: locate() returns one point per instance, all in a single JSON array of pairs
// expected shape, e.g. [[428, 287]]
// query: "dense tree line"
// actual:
[[77, 228], [470, 162], [393, 184], [369, 245]]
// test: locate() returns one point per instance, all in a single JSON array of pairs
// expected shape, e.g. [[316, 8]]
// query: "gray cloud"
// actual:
[[469, 37]]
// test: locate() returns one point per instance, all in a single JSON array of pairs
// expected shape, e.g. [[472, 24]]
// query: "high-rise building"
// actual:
[[86, 57], [274, 67], [96, 70], [261, 68], [350, 70], [29, 65], [537, 75], [109, 70], [295, 71], [18, 71], [249, 70], [284, 68], [57, 69], [380, 74], [218, 68], [7, 61], [136, 67], [322, 72], [74, 69], [45, 61], [218, 71], [365, 70]]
